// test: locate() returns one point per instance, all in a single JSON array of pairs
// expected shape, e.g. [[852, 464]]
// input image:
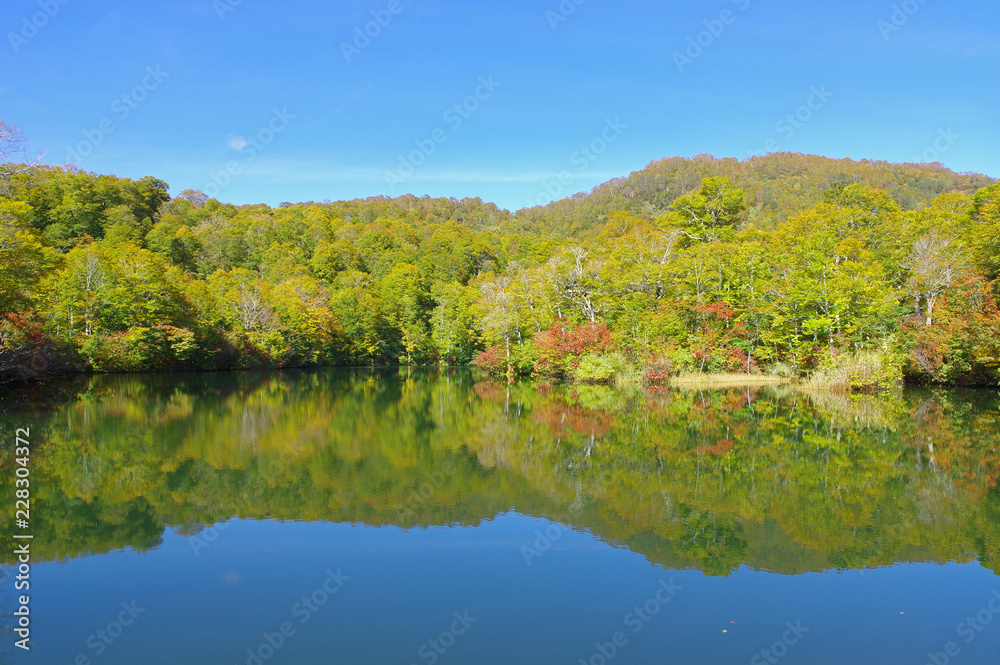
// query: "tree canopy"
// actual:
[[785, 263]]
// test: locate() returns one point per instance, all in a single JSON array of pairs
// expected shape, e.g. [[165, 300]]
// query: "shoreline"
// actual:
[[695, 380]]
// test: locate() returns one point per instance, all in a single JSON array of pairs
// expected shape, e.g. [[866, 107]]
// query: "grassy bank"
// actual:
[[727, 380]]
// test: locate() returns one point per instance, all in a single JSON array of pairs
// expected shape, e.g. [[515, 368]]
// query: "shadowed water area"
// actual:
[[365, 516]]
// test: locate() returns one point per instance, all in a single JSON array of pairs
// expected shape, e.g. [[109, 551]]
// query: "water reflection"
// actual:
[[768, 478]]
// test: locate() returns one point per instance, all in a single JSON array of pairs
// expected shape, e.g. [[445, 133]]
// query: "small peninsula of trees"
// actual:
[[788, 264]]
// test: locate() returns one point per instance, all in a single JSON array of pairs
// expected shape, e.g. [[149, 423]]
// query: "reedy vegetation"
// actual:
[[861, 273]]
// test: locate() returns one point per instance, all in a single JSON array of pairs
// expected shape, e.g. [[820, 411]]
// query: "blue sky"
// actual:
[[552, 97]]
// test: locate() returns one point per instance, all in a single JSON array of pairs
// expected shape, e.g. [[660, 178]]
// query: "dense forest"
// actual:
[[859, 274]]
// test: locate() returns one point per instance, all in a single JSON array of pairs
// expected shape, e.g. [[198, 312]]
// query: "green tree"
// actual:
[[24, 262], [714, 210], [453, 322], [355, 304], [405, 303]]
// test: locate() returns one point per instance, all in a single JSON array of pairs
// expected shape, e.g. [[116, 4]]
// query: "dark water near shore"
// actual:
[[352, 516]]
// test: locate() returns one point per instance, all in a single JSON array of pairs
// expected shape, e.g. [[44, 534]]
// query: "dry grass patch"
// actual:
[[727, 380]]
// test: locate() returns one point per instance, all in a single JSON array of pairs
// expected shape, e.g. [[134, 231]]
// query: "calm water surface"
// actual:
[[405, 517]]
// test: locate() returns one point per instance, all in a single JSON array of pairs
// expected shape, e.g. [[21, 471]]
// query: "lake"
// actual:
[[425, 516]]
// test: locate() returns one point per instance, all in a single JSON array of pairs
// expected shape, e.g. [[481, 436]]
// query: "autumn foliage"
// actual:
[[785, 264], [559, 348], [26, 352]]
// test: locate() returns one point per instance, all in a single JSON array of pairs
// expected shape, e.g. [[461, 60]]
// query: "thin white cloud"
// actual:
[[237, 142]]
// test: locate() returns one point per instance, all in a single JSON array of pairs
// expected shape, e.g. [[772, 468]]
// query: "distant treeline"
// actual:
[[858, 273]]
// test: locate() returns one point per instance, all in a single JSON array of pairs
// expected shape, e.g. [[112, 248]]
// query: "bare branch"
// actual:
[[14, 155], [934, 262]]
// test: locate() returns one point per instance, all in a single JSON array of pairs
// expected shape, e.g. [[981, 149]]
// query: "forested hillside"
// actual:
[[777, 186], [860, 272]]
